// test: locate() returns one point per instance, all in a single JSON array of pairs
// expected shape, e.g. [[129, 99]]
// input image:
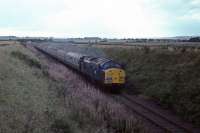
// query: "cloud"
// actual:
[[193, 13], [104, 18], [24, 32], [195, 3], [119, 18]]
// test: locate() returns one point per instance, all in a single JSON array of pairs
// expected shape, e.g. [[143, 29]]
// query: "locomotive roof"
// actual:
[[96, 60], [75, 55]]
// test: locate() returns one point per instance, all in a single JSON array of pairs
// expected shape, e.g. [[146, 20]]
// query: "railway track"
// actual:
[[156, 118], [160, 121]]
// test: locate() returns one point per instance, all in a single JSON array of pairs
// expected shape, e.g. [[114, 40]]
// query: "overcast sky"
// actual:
[[103, 18]]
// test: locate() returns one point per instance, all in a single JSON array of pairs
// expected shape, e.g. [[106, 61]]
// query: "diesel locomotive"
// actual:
[[102, 70]]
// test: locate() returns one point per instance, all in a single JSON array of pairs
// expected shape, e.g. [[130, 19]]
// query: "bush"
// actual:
[[171, 77], [61, 126], [30, 61]]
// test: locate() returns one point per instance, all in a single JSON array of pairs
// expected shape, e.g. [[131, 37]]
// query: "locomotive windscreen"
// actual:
[[110, 64]]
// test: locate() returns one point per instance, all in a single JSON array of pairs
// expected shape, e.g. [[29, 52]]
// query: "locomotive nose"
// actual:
[[114, 76]]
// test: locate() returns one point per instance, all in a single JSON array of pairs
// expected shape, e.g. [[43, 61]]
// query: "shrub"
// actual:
[[172, 77], [61, 126], [30, 61]]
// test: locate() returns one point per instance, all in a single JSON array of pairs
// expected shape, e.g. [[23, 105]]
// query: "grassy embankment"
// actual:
[[172, 77], [30, 101]]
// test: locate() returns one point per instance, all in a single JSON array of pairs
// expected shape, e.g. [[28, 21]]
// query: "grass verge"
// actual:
[[28, 100], [31, 101]]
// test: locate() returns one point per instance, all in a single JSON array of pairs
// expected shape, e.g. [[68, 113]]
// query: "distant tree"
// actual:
[[194, 39]]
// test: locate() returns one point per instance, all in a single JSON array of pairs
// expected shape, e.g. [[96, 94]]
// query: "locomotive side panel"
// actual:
[[74, 60], [91, 69]]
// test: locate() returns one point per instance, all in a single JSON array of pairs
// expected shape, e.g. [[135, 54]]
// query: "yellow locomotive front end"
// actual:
[[114, 76]]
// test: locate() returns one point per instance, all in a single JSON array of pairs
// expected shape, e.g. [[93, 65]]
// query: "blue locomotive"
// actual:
[[102, 70]]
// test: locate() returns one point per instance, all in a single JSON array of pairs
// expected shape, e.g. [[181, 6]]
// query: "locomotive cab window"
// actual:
[[110, 65]]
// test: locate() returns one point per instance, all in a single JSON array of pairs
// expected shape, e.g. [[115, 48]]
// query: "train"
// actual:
[[102, 70]]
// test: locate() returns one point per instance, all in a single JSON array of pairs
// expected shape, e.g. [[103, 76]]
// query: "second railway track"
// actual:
[[157, 119]]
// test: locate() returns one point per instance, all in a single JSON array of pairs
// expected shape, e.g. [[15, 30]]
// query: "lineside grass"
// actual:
[[170, 76], [90, 108], [28, 100], [31, 101]]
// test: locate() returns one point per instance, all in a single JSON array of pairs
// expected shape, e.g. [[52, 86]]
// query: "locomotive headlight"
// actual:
[[108, 80]]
